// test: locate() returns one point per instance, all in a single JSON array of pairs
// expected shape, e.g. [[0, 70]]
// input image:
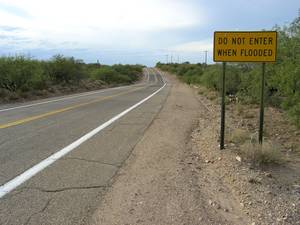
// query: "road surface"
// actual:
[[58, 156]]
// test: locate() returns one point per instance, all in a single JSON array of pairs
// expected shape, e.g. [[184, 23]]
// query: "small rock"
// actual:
[[252, 223], [225, 210], [253, 181], [131, 211], [207, 161], [219, 158], [284, 217], [268, 175], [242, 205], [296, 188], [238, 158], [210, 202]]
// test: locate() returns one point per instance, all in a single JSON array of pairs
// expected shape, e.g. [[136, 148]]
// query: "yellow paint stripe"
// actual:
[[32, 118]]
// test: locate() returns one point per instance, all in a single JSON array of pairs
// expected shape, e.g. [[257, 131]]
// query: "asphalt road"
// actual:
[[59, 155]]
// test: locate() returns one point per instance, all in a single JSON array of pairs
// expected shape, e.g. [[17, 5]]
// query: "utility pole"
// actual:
[[178, 59], [167, 59], [206, 57], [171, 58]]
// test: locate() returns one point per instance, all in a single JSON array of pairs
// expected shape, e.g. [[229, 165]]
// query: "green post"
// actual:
[[222, 136], [262, 106]]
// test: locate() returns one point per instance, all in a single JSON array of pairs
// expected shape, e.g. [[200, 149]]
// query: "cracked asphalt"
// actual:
[[69, 191]]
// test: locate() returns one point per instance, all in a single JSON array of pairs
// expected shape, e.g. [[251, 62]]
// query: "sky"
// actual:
[[131, 31]]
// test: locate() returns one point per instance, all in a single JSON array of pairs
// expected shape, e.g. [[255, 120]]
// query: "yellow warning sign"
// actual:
[[245, 46]]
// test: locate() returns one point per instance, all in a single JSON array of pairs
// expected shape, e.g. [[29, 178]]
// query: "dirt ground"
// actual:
[[177, 175]]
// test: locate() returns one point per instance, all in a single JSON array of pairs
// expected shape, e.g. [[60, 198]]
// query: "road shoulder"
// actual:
[[157, 185]]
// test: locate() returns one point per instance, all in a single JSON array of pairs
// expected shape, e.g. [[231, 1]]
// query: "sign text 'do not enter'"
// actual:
[[245, 46]]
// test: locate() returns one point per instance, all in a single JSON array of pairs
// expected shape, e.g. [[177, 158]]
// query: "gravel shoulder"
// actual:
[[176, 174], [159, 183]]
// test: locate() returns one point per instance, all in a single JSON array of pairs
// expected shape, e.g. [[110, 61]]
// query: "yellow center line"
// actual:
[[32, 118]]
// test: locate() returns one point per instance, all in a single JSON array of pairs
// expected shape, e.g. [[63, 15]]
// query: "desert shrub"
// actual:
[[117, 74], [22, 77], [238, 136], [20, 73], [132, 72], [258, 154], [62, 69]]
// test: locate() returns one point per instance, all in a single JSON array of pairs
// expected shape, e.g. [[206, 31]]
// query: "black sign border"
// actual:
[[276, 45]]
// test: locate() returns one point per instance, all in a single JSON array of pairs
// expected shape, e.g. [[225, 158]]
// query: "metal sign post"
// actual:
[[262, 105], [222, 135]]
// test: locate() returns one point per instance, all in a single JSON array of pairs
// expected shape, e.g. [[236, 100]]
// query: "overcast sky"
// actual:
[[131, 31]]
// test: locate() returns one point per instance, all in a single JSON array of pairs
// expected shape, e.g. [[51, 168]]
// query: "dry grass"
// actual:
[[257, 154], [211, 95], [202, 90], [239, 109], [296, 149], [250, 115], [238, 136]]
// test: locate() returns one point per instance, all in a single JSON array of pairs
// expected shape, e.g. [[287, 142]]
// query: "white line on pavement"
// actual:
[[20, 179]]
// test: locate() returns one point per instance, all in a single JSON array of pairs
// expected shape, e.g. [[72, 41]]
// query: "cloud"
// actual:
[[12, 9], [57, 16], [194, 47], [94, 24], [9, 28]]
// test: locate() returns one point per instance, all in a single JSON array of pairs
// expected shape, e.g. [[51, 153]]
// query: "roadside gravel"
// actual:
[[177, 175], [160, 182]]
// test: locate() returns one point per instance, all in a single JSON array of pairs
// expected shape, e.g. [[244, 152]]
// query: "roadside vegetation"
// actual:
[[23, 77], [243, 80], [243, 97]]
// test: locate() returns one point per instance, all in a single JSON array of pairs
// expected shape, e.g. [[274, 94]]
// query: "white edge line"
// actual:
[[20, 179], [159, 72]]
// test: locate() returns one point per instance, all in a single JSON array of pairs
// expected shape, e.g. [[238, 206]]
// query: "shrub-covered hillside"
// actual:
[[22, 77]]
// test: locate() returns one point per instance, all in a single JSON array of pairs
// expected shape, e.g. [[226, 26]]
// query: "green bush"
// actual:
[[61, 69], [244, 80], [117, 74], [20, 75]]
